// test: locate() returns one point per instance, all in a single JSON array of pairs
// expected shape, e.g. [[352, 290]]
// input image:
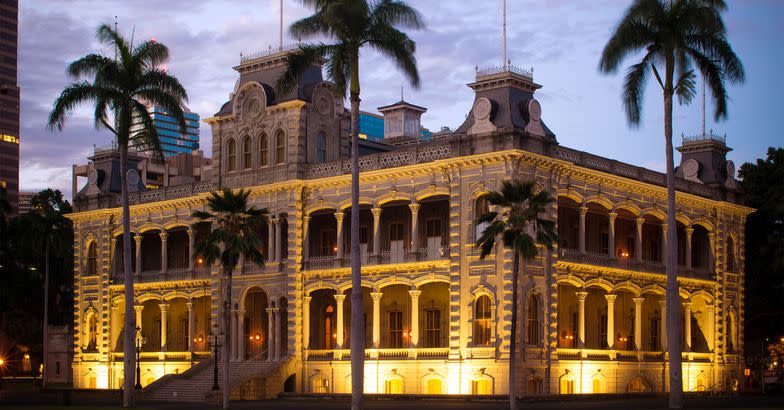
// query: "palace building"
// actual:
[[437, 316]]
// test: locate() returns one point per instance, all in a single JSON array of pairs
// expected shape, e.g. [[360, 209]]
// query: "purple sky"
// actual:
[[561, 39]]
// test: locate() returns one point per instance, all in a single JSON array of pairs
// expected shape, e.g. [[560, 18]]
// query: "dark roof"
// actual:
[[404, 103]]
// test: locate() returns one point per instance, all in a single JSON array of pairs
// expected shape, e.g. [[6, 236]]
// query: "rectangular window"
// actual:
[[605, 243], [395, 329], [654, 340], [432, 327], [603, 331], [321, 386], [396, 242]]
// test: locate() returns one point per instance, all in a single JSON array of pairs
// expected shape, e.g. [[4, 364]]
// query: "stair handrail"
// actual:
[[248, 362], [155, 385]]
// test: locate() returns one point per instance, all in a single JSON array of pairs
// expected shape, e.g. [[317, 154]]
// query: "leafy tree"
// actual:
[[123, 85], [352, 24], [230, 228], [762, 183], [675, 35], [520, 205]]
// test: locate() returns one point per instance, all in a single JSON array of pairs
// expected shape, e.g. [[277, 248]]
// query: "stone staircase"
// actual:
[[195, 385]]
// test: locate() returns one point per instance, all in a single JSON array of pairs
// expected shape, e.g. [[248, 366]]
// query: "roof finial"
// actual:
[[504, 42]]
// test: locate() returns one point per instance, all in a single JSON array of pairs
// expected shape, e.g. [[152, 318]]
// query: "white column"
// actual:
[[709, 317], [610, 321], [689, 232], [191, 256], [233, 338], [306, 321], [339, 339], [611, 241], [414, 227], [241, 335], [376, 296], [139, 309], [663, 250], [306, 238], [278, 238], [663, 324], [581, 319], [687, 325], [376, 230], [276, 314], [638, 241], [270, 335], [164, 252], [138, 239], [638, 323], [164, 325], [191, 325], [339, 245], [271, 239], [414, 333], [583, 213]]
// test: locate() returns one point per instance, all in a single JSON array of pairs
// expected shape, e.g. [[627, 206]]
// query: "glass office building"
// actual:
[[371, 127], [173, 140]]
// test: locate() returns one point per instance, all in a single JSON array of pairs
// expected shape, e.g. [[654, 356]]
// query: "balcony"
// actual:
[[384, 258], [172, 274], [626, 263], [628, 355], [434, 353]]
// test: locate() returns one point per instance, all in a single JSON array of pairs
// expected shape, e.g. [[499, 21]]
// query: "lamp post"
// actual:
[[2, 367], [216, 334], [139, 342]]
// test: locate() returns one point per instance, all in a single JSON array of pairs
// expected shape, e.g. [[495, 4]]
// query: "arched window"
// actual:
[[247, 153], [533, 321], [481, 207], [393, 385], [637, 385], [732, 336], [92, 332], [263, 151], [534, 386], [434, 385], [597, 383], [482, 318], [231, 156], [92, 260], [280, 148], [329, 332], [481, 386], [321, 147], [566, 384], [730, 262]]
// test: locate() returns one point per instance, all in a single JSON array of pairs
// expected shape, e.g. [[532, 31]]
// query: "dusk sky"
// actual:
[[561, 39]]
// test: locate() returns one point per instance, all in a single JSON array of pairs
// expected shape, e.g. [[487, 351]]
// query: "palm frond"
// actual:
[[634, 33], [633, 93], [396, 13], [149, 55], [297, 62], [685, 89], [88, 65], [70, 98], [398, 46]]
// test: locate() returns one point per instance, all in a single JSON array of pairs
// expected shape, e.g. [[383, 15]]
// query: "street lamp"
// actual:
[[2, 366], [140, 340], [216, 334]]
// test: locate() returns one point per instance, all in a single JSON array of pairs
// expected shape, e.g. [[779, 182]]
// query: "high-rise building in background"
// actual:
[[173, 139], [9, 101]]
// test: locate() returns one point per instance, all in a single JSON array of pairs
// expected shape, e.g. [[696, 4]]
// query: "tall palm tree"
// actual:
[[230, 231], [122, 85], [521, 206], [47, 228], [675, 35], [352, 24]]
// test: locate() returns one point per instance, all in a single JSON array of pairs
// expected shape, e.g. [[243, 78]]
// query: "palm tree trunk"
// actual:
[[513, 337], [357, 314], [672, 297], [129, 356], [45, 361], [227, 338]]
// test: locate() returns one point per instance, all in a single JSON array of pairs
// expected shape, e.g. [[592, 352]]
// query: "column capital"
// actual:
[[415, 293], [275, 310], [138, 308], [307, 299], [339, 215], [640, 221], [689, 231], [163, 235], [240, 312], [414, 207], [138, 238], [687, 305], [376, 212], [612, 216], [664, 227], [269, 311], [581, 296], [189, 305], [306, 219], [663, 303], [340, 298], [583, 210], [638, 301], [610, 298], [710, 308], [163, 306], [190, 232], [376, 296]]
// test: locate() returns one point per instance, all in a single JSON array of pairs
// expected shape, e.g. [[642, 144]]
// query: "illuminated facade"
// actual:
[[437, 317]]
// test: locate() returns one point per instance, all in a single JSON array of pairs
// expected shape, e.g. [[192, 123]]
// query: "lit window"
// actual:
[[482, 321], [395, 329]]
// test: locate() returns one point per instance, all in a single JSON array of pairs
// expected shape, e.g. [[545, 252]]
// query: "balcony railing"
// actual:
[[381, 354], [627, 355], [199, 272], [384, 258], [628, 263]]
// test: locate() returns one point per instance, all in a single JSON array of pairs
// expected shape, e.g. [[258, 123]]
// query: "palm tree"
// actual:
[[47, 227], [353, 24], [676, 35], [122, 85], [520, 204], [230, 231]]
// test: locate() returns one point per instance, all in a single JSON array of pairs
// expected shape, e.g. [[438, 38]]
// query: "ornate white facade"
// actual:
[[437, 317]]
